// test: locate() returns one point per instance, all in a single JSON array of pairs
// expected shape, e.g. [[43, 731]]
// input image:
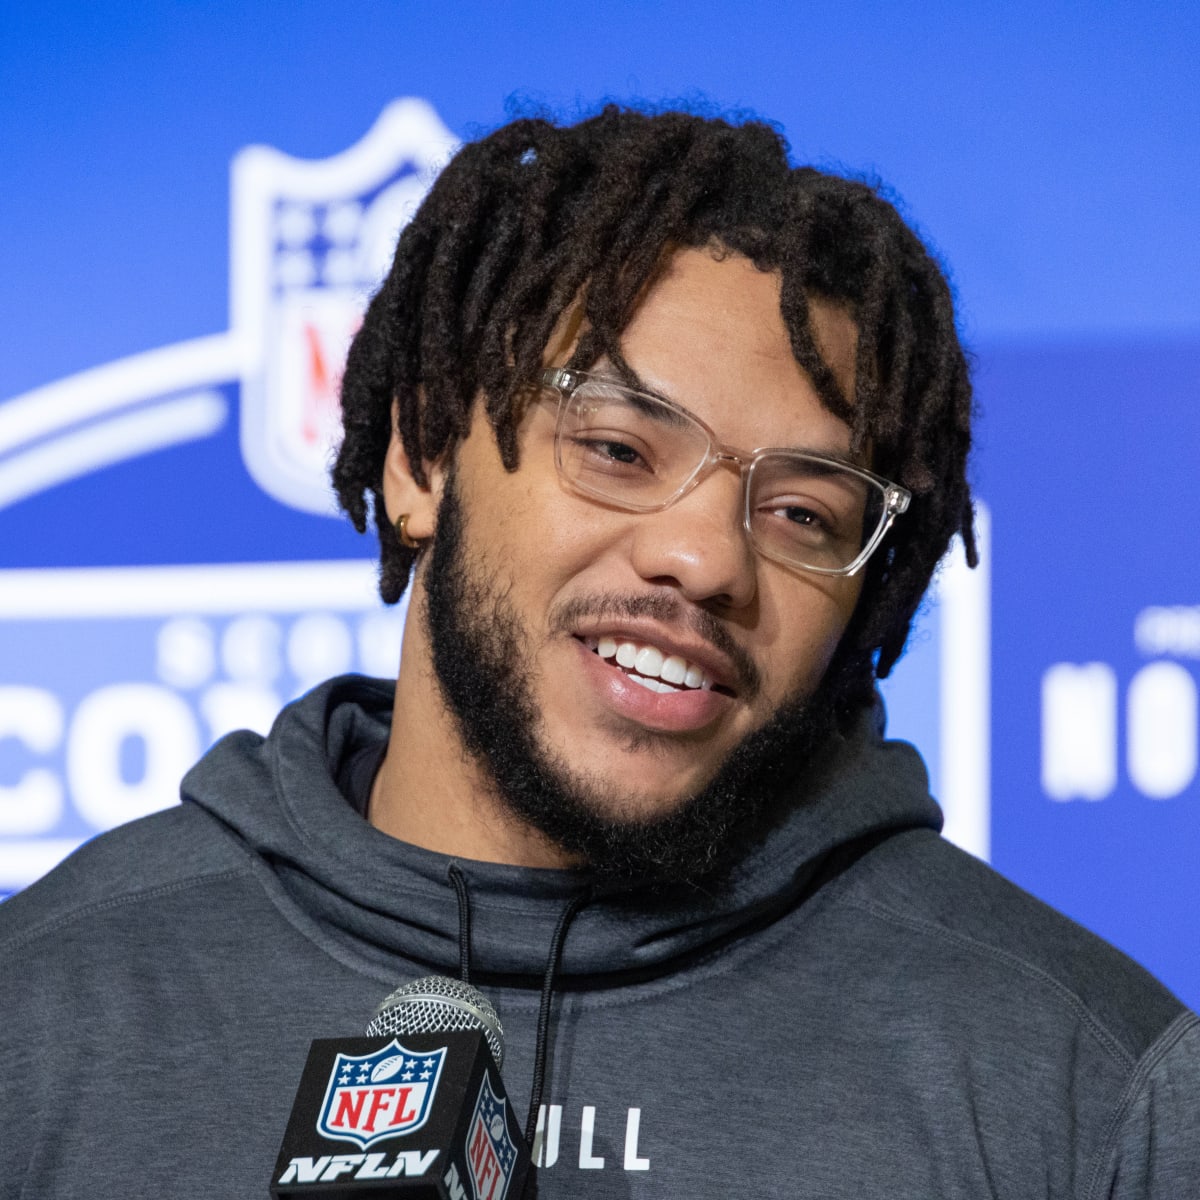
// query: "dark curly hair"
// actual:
[[525, 221]]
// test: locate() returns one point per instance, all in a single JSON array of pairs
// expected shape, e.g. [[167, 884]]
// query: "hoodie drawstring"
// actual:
[[464, 921], [543, 1021], [557, 940]]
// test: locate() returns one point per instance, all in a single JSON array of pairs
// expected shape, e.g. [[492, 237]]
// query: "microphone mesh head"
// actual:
[[438, 1004]]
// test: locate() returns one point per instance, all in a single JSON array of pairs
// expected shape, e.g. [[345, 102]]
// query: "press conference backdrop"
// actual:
[[198, 204]]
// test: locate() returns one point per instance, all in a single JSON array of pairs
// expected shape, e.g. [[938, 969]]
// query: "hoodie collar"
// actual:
[[388, 898]]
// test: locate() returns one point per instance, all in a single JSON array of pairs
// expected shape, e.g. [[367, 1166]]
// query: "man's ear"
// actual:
[[404, 496]]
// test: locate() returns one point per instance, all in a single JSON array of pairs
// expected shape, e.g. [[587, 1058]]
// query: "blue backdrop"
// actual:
[[1050, 152]]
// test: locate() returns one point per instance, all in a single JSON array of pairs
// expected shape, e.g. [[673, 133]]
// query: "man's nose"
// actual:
[[698, 544]]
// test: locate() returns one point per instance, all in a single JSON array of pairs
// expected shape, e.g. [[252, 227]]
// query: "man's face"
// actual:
[[549, 577]]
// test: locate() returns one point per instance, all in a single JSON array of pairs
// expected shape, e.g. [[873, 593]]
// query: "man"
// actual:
[[670, 438]]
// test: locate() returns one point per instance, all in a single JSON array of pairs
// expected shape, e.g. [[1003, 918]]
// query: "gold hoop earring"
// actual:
[[408, 542]]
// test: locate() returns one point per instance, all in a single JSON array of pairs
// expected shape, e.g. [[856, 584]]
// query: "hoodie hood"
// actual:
[[379, 898]]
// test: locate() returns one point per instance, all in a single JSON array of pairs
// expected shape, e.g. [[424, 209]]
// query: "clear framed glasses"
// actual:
[[641, 453]]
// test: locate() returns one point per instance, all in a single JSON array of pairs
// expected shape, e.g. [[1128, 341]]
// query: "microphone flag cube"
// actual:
[[426, 1116]]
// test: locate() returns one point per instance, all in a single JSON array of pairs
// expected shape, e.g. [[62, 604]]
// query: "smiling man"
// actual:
[[667, 437], [637, 617]]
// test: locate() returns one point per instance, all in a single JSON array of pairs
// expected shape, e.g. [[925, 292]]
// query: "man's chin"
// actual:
[[625, 790], [649, 841], [660, 838]]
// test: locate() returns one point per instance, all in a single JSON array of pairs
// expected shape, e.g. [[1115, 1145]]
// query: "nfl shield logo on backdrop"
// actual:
[[491, 1153], [387, 1094], [311, 241]]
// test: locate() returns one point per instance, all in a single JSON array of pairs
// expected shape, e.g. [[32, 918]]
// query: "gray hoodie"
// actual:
[[862, 1010]]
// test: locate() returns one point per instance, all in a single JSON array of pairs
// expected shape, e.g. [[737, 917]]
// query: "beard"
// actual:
[[478, 649]]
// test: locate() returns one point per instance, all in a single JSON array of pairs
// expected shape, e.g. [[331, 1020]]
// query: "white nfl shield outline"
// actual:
[[311, 241], [381, 1067]]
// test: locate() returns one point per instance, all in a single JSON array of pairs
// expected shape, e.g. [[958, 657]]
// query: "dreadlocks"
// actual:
[[537, 217]]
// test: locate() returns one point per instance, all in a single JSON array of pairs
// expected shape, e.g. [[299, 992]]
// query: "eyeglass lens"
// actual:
[[641, 454]]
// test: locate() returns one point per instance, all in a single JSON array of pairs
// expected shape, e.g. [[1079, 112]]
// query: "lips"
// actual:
[[655, 669]]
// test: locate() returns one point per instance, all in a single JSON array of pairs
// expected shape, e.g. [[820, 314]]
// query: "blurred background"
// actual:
[[174, 304]]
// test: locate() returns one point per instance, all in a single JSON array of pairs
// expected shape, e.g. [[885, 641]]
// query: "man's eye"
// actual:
[[612, 451], [797, 514], [800, 521], [804, 516]]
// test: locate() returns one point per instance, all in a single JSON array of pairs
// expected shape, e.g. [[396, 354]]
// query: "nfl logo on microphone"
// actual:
[[491, 1153], [387, 1094]]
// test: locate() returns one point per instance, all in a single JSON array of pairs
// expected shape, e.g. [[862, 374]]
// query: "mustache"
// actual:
[[670, 610]]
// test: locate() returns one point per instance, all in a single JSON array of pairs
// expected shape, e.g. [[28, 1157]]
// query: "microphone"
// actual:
[[435, 1004], [419, 1100]]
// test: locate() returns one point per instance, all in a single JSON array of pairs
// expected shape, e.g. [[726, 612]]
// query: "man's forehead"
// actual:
[[831, 323]]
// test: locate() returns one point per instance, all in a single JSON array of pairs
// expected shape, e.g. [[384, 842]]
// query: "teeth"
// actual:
[[653, 685], [655, 671], [648, 662], [675, 670]]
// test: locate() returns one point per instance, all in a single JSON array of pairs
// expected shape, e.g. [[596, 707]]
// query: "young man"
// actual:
[[667, 438]]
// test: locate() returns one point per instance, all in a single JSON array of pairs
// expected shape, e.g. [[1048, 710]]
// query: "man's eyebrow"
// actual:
[[673, 413], [843, 457]]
